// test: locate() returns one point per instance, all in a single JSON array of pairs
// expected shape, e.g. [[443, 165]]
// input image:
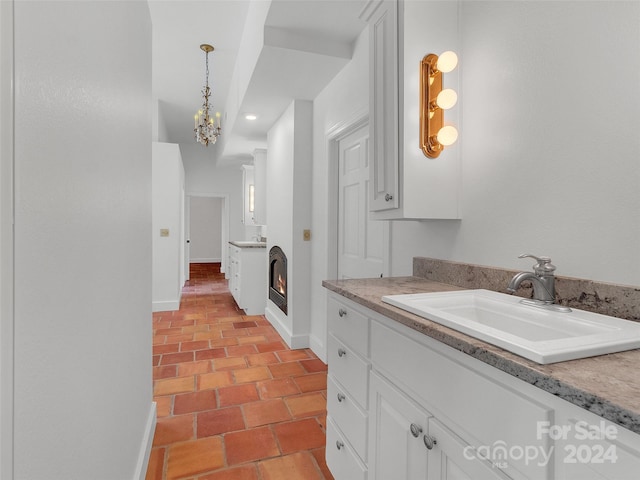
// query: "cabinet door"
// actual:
[[450, 458], [396, 430], [383, 101]]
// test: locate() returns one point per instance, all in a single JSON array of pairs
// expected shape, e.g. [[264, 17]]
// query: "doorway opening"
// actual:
[[206, 230]]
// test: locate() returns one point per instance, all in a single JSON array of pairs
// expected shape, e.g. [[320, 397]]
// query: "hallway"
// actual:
[[233, 401]]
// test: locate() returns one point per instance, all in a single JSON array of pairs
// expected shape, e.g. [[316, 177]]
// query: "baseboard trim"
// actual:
[[166, 306], [293, 341], [299, 341], [318, 347], [282, 330], [205, 260], [147, 442]]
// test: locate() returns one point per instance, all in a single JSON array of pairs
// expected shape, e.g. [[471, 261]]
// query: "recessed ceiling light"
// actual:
[[251, 116]]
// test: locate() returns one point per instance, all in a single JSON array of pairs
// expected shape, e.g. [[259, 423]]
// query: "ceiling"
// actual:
[[302, 44]]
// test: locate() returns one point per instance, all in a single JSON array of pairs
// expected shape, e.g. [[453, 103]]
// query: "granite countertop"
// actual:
[[248, 244], [606, 385]]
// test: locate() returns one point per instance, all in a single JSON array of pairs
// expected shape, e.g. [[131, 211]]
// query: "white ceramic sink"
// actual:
[[541, 335]]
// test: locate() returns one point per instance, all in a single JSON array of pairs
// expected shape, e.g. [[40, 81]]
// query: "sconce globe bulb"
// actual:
[[447, 98], [447, 135], [447, 61]]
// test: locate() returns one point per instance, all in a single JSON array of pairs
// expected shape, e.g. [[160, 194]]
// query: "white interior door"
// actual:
[[362, 243], [184, 239]]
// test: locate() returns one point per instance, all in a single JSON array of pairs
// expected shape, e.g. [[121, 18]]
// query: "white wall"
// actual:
[[248, 53], [289, 163], [550, 146], [83, 384], [167, 200], [159, 131], [432, 188], [206, 229], [6, 239], [205, 179], [544, 170], [260, 179], [342, 102]]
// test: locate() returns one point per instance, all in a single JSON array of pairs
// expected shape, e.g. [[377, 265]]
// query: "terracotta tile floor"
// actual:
[[234, 402]]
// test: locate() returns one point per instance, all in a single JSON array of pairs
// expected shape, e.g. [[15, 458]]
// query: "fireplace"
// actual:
[[278, 278]]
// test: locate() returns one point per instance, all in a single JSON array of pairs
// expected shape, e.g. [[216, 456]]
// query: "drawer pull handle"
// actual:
[[429, 442], [341, 397], [416, 430], [342, 312], [339, 444], [342, 352], [388, 198]]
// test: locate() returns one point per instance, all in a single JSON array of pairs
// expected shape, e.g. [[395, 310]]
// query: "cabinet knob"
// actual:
[[339, 444], [341, 397], [429, 442], [342, 312], [342, 352], [416, 430], [388, 198]]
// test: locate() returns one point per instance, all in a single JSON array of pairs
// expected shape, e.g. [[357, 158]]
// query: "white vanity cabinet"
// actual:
[[407, 442], [433, 412], [397, 448], [248, 282], [472, 408], [404, 184], [347, 389]]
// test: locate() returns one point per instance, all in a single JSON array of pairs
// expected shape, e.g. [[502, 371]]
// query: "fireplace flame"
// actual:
[[281, 285]]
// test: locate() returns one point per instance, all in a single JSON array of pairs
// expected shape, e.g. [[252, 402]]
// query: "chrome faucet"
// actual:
[[543, 281]]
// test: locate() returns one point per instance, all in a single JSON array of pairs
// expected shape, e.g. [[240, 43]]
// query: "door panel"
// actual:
[[450, 458], [361, 242], [394, 450], [350, 220]]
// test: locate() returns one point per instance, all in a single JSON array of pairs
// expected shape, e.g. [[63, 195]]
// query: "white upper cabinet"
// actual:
[[405, 184], [383, 103]]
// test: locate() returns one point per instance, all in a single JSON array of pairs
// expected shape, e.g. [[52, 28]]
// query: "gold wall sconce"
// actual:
[[434, 100]]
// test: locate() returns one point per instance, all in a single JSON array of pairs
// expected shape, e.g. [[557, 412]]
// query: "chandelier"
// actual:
[[206, 128]]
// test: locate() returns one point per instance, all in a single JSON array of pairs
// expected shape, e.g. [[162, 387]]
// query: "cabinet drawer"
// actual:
[[341, 459], [348, 415], [349, 326], [349, 369]]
